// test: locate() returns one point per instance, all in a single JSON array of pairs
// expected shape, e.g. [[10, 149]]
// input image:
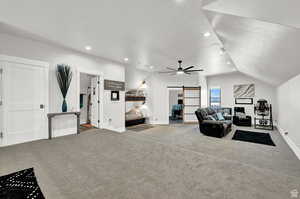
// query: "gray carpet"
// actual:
[[175, 162], [140, 127]]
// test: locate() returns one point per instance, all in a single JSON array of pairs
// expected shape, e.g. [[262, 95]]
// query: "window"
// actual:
[[215, 97]]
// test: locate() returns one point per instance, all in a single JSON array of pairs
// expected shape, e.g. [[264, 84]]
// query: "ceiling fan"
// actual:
[[181, 70]]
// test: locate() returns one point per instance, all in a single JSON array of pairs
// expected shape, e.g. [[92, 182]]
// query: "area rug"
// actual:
[[20, 185], [254, 137], [141, 127]]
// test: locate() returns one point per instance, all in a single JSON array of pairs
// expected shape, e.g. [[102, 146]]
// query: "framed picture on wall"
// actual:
[[245, 101], [115, 96]]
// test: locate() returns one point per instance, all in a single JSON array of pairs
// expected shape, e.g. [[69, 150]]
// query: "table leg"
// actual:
[[50, 127], [78, 123]]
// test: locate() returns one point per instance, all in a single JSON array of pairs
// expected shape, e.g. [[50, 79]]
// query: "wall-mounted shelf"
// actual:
[[135, 98]]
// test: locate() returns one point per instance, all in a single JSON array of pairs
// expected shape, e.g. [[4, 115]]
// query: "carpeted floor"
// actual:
[[140, 127], [163, 162]]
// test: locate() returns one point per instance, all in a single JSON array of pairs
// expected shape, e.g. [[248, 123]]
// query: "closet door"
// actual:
[[25, 101], [191, 101]]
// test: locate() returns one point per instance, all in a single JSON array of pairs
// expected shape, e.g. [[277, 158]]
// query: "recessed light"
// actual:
[[228, 62], [207, 34], [151, 67], [126, 59], [88, 47]]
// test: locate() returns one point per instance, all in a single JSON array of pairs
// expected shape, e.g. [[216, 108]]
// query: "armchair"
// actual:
[[239, 120]]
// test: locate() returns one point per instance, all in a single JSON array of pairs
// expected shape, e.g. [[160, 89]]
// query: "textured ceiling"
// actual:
[[158, 33], [155, 32], [262, 40], [267, 51], [285, 12]]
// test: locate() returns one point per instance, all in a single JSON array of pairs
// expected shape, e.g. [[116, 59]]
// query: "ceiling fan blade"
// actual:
[[171, 69], [188, 68], [166, 72], [199, 70], [187, 73]]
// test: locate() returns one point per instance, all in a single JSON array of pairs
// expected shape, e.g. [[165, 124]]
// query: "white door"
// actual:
[[24, 100], [192, 101], [95, 102], [1, 107]]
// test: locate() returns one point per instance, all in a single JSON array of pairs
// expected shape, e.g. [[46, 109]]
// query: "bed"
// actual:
[[134, 117]]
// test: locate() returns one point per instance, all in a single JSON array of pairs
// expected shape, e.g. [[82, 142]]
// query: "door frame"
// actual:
[[101, 92], [34, 63], [169, 88]]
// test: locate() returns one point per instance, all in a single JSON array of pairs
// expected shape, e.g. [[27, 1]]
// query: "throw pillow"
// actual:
[[241, 115], [215, 116], [220, 117], [209, 117]]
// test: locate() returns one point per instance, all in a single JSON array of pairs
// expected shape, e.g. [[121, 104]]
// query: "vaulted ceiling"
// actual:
[[261, 36], [245, 35]]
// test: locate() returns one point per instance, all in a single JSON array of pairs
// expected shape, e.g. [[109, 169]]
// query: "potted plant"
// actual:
[[64, 78]]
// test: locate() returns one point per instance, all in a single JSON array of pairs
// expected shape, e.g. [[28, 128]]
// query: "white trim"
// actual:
[[23, 61], [290, 142], [168, 105], [64, 132], [118, 130], [159, 122], [101, 91]]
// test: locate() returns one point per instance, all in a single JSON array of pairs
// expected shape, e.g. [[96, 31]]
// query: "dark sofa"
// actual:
[[212, 128]]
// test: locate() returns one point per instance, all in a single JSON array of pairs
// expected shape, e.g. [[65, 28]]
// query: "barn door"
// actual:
[[191, 101]]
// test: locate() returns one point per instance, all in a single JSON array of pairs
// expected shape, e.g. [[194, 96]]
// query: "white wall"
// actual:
[[36, 50], [134, 77], [289, 109], [226, 83], [204, 90]]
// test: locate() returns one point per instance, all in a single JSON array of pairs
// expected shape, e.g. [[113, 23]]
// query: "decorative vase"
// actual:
[[64, 106]]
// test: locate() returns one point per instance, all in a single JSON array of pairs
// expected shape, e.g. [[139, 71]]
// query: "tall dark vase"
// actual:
[[64, 106]]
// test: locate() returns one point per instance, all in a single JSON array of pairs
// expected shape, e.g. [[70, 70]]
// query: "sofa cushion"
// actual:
[[210, 117], [220, 117], [241, 115]]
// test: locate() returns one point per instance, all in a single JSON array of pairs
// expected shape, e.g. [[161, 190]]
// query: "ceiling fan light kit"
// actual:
[[180, 70]]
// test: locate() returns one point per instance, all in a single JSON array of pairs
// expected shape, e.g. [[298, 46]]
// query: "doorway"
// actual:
[[89, 101], [175, 105], [23, 101], [188, 101]]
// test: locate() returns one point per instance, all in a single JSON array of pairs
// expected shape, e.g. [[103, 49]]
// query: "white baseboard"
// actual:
[[64, 132], [118, 130], [159, 122], [290, 142]]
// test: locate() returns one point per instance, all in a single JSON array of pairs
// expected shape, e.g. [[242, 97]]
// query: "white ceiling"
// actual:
[[267, 51], [285, 12], [158, 33], [152, 32], [261, 36]]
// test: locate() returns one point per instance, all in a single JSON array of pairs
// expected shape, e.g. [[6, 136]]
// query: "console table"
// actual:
[[52, 115]]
